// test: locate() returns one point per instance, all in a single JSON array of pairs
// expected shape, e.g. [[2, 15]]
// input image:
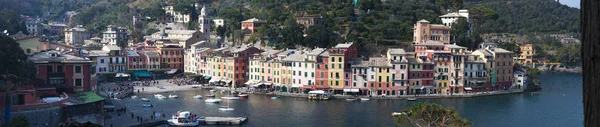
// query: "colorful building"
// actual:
[[476, 73], [58, 72], [420, 75], [109, 60], [340, 61], [398, 60], [230, 65], [252, 25], [526, 56], [172, 57], [440, 55], [456, 65], [500, 64], [426, 32]]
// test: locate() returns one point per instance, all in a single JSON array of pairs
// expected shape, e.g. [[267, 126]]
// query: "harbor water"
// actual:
[[559, 104]]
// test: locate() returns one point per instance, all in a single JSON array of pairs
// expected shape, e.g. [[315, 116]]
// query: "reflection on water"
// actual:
[[559, 104]]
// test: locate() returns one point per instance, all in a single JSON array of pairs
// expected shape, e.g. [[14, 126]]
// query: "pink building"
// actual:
[[426, 32]]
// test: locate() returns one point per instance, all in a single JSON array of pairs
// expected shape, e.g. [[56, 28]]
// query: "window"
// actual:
[[101, 60], [59, 68], [78, 82], [77, 69], [340, 59], [49, 69]]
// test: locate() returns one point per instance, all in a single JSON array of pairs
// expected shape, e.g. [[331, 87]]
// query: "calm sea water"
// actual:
[[559, 104]]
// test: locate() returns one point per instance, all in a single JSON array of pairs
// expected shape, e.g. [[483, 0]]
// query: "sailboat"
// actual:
[[226, 108]]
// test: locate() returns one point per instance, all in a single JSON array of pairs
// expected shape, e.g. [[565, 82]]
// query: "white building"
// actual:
[[109, 59], [219, 22], [113, 34], [451, 18], [475, 72], [183, 38], [76, 36], [194, 57], [520, 81], [33, 26], [173, 16], [399, 61]]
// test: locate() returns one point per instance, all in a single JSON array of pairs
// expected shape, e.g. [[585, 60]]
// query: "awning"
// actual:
[[250, 82], [141, 74], [468, 88], [119, 75], [226, 80], [353, 90], [206, 77], [214, 80], [172, 71]]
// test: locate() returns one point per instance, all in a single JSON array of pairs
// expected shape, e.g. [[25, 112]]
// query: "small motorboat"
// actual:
[[145, 99], [198, 96], [183, 119], [231, 98], [173, 96], [212, 90], [234, 92], [411, 99], [159, 96], [133, 96], [397, 113], [274, 97], [243, 95], [225, 108], [364, 99], [147, 105], [210, 95], [212, 100], [195, 86], [351, 99]]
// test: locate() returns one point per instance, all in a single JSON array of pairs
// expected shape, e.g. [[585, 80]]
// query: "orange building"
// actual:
[[251, 25], [425, 32], [172, 57]]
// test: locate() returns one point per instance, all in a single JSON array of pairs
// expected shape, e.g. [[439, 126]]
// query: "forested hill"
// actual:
[[527, 16]]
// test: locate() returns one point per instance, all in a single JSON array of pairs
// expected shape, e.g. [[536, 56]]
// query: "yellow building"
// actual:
[[336, 70], [526, 56]]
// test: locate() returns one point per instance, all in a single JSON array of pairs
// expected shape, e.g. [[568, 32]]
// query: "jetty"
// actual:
[[223, 120]]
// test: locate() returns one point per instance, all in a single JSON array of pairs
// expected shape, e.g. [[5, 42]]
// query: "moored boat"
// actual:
[[212, 90], [198, 96], [230, 98], [133, 96], [159, 96], [243, 95], [351, 99], [411, 99], [212, 100], [147, 105], [184, 118], [364, 99], [173, 96], [210, 95]]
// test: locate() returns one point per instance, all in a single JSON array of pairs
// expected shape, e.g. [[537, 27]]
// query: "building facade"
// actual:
[[426, 32], [251, 25], [61, 72], [114, 34], [76, 36]]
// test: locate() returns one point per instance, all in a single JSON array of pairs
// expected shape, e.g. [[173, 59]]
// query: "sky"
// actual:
[[571, 3]]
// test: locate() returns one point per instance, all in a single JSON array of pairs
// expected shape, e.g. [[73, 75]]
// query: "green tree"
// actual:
[[221, 31], [320, 36], [430, 115], [19, 121], [152, 12], [11, 21]]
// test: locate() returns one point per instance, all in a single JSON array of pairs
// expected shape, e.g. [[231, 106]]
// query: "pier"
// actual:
[[223, 120]]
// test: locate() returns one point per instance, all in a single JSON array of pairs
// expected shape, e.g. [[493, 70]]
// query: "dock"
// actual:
[[223, 120]]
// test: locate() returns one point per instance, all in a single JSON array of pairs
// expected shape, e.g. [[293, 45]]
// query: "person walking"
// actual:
[[132, 115]]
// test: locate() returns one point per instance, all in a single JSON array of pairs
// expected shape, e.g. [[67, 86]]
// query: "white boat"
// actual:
[[210, 95], [225, 109], [411, 99], [212, 90], [351, 99], [198, 96], [173, 96], [222, 91], [145, 99], [212, 100], [133, 96], [243, 95], [364, 99], [231, 98], [275, 97], [183, 119], [159, 96], [397, 113]]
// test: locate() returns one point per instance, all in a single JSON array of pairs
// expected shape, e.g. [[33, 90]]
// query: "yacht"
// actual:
[[184, 118], [212, 100], [159, 96]]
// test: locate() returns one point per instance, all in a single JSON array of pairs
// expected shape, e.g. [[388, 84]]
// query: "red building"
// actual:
[[136, 61], [321, 71], [420, 76], [252, 25]]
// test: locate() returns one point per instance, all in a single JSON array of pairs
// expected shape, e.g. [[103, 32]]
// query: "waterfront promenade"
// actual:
[[166, 86]]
